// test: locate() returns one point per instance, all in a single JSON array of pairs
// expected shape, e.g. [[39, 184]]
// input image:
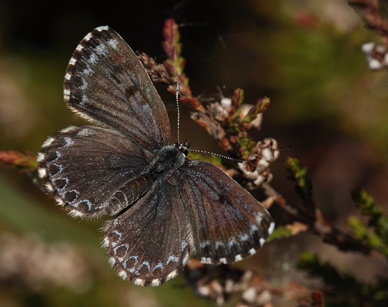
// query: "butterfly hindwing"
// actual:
[[92, 171], [227, 223], [148, 243], [105, 82]]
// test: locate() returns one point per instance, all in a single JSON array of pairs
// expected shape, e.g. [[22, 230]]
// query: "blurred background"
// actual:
[[305, 55]]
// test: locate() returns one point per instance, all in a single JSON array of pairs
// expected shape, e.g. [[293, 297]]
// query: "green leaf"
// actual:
[[279, 232], [297, 174]]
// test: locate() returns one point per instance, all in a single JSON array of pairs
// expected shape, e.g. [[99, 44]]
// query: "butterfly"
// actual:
[[164, 206]]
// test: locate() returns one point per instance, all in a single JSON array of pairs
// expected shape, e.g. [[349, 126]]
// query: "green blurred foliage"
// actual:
[[375, 233], [279, 232], [298, 174], [344, 289]]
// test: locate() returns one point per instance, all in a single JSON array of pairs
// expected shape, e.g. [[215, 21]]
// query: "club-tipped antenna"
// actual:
[[178, 110], [196, 150], [217, 155]]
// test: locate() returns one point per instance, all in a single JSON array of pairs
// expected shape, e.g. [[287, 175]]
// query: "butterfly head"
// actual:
[[183, 148]]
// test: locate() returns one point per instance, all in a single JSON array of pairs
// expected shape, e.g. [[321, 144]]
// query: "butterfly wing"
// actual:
[[148, 243], [105, 82], [93, 171], [227, 223]]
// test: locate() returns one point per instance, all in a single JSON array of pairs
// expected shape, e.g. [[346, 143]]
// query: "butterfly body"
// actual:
[[164, 206], [167, 161]]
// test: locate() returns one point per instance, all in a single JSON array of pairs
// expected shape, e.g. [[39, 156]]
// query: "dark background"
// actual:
[[305, 55]]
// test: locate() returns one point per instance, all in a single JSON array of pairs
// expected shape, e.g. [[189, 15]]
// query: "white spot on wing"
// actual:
[[271, 227], [72, 61], [68, 129], [111, 261], [101, 49], [66, 94], [88, 37], [139, 282], [238, 257], [252, 251], [223, 260], [102, 28], [259, 218], [68, 141], [105, 243], [93, 58], [113, 43], [40, 157], [253, 228], [262, 241], [172, 275], [49, 187], [61, 203], [48, 142], [123, 275], [75, 213], [42, 172], [155, 282]]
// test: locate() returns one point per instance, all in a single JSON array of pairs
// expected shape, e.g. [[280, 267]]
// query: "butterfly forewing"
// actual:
[[148, 243], [228, 224], [105, 82], [93, 171]]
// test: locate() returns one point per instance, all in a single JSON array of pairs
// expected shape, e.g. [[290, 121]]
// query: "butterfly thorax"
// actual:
[[168, 159]]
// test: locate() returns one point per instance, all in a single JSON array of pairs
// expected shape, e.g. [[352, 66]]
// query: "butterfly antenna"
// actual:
[[217, 155], [178, 110], [196, 150]]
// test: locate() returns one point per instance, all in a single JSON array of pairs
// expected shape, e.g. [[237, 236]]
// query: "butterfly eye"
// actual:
[[183, 148]]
